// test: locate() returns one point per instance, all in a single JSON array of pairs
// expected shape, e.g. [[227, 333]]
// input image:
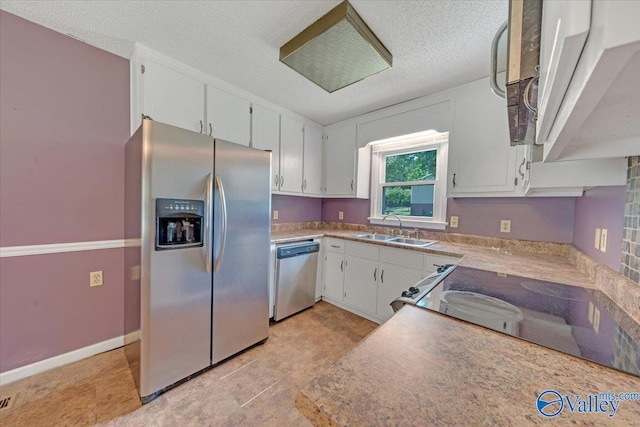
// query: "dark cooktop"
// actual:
[[571, 319]]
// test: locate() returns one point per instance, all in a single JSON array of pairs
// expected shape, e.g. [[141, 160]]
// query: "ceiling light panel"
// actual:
[[337, 50]]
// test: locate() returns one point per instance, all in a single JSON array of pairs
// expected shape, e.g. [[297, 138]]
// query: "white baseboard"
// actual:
[[66, 358]]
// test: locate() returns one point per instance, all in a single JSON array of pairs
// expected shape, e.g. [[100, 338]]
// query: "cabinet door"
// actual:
[[360, 283], [173, 98], [265, 135], [481, 159], [393, 280], [312, 161], [339, 164], [565, 26], [290, 155], [228, 116], [333, 276]]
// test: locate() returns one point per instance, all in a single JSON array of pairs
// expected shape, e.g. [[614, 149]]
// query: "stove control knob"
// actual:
[[414, 290], [407, 294]]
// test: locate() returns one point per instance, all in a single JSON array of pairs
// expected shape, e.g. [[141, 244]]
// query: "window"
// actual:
[[409, 179]]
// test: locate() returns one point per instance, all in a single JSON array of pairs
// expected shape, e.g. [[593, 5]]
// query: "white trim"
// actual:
[[56, 248], [65, 359], [427, 140], [131, 337]]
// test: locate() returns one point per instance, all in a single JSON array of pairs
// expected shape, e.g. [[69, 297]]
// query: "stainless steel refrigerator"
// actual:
[[197, 224]]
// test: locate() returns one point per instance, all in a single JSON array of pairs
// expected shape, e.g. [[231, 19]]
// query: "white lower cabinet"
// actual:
[[365, 278], [393, 280], [361, 283], [333, 270]]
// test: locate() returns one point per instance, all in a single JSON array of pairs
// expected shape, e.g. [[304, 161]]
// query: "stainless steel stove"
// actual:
[[571, 319]]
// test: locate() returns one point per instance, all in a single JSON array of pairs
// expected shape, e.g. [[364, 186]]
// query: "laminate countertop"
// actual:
[[424, 368], [540, 260]]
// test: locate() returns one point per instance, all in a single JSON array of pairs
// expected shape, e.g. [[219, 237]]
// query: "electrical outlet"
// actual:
[[505, 226], [340, 215], [275, 214], [95, 278], [453, 222], [596, 320], [596, 244], [603, 240]]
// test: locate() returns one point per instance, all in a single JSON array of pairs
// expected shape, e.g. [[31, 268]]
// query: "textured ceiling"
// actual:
[[436, 44]]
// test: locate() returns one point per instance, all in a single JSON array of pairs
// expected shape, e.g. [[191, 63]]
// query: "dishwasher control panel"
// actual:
[[288, 251]]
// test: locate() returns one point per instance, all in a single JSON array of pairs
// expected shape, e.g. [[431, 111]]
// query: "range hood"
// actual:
[[523, 59]]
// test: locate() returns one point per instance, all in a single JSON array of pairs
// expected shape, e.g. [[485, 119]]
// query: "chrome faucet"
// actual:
[[399, 221]]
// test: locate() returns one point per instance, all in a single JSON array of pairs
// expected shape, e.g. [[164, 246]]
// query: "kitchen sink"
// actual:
[[396, 240], [373, 236], [411, 242]]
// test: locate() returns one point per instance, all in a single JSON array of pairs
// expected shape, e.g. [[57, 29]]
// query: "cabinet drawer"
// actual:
[[363, 250], [432, 261], [334, 245], [403, 257]]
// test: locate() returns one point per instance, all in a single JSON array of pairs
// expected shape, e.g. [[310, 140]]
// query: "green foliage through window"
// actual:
[[420, 166]]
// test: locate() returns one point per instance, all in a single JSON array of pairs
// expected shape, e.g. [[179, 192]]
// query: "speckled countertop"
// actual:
[[442, 371], [539, 260], [422, 368]]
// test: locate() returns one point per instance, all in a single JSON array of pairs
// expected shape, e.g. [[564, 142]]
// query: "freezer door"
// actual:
[[175, 284], [241, 236]]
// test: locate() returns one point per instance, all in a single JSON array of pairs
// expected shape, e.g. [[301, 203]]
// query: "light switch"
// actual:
[[453, 222]]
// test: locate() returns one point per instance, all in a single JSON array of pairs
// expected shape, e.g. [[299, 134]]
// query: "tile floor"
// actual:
[[257, 387]]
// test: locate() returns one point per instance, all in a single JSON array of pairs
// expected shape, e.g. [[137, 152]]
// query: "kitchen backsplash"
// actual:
[[630, 267]]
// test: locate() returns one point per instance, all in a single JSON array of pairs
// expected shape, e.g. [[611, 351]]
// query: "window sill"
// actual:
[[406, 223]]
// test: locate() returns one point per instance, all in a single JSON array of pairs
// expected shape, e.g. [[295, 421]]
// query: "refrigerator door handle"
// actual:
[[208, 221], [223, 231]]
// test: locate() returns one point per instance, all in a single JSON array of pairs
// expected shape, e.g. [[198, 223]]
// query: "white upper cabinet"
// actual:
[[590, 63], [172, 97], [265, 135], [312, 164], [291, 143], [569, 178], [481, 159], [228, 116], [339, 161]]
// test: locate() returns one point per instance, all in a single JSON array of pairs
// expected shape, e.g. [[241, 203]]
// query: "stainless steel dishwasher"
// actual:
[[296, 268]]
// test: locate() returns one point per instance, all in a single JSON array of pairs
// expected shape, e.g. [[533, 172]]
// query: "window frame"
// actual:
[[423, 141]]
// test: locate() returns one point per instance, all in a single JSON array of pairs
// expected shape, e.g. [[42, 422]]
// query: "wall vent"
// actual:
[[6, 402]]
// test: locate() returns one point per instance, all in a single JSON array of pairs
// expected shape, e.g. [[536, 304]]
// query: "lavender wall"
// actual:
[[601, 207], [548, 219], [64, 122], [296, 209], [543, 219], [356, 211]]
